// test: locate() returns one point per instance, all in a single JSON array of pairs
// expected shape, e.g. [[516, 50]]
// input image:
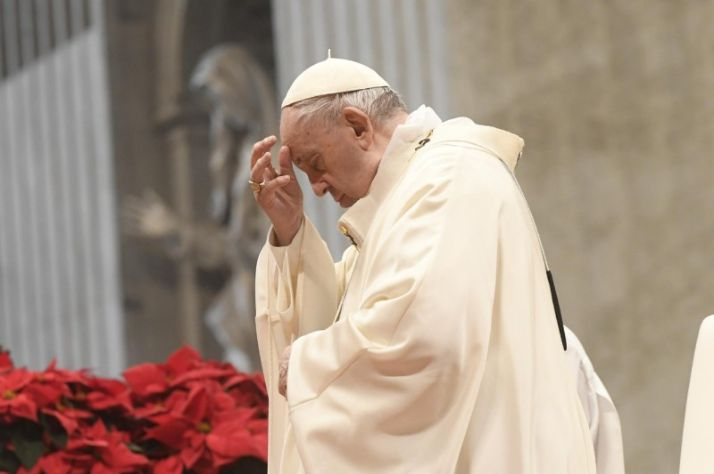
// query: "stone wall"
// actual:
[[614, 101]]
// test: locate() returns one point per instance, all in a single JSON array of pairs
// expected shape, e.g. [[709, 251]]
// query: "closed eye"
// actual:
[[298, 162], [317, 164]]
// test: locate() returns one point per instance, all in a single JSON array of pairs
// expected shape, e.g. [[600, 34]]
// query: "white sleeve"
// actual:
[[296, 292], [599, 409]]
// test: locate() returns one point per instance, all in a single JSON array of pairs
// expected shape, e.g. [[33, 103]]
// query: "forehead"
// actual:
[[297, 134], [288, 126]]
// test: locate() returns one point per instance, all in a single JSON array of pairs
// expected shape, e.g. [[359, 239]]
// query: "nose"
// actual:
[[318, 184], [319, 187]]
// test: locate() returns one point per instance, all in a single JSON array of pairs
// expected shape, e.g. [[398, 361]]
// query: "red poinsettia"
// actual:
[[52, 463], [6, 363], [13, 402], [181, 367], [108, 446], [169, 465], [68, 417], [210, 429], [248, 390], [186, 415]]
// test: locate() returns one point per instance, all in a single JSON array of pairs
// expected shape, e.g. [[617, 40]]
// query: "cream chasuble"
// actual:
[[446, 356]]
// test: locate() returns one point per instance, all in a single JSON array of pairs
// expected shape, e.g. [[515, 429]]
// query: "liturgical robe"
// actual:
[[432, 345]]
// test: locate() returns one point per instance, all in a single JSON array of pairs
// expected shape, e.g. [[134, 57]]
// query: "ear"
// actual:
[[360, 126]]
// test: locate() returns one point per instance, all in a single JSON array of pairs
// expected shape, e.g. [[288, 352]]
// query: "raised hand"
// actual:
[[148, 216], [278, 193]]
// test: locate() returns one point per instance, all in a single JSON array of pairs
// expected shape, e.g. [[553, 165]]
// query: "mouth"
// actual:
[[337, 197]]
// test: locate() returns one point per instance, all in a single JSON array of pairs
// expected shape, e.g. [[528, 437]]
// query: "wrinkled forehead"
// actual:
[[290, 126], [297, 130]]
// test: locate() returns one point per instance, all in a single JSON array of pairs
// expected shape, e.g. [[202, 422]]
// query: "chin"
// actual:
[[346, 202]]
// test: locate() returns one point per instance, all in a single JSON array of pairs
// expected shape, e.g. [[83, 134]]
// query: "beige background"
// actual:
[[614, 100]]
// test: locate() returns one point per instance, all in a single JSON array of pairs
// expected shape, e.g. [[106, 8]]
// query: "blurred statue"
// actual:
[[242, 111]]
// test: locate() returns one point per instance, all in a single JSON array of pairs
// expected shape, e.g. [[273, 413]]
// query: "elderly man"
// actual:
[[432, 345]]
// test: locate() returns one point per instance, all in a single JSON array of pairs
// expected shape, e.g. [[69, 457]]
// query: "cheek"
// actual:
[[355, 182], [346, 173]]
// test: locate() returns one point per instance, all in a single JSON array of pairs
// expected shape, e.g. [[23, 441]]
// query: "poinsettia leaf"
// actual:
[[59, 438], [183, 359], [146, 379], [5, 360], [169, 465], [246, 465], [200, 374], [8, 461], [28, 449], [54, 429]]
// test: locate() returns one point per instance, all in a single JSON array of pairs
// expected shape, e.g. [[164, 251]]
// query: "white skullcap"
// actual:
[[332, 76]]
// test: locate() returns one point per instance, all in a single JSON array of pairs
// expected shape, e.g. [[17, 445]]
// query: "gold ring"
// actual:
[[256, 187]]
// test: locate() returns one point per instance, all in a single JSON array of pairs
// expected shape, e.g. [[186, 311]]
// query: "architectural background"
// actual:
[[161, 142], [614, 102], [59, 272], [612, 98]]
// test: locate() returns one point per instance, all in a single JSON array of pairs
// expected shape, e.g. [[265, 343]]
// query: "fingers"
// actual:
[[267, 175], [261, 148], [262, 170], [285, 161], [274, 184], [283, 386], [260, 158], [262, 166], [283, 368], [269, 179]]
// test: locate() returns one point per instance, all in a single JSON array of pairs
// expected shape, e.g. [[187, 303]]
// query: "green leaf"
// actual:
[[59, 438], [8, 461], [57, 434], [28, 450], [246, 465], [135, 448]]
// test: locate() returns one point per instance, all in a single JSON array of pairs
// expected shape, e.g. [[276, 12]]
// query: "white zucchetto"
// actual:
[[332, 76]]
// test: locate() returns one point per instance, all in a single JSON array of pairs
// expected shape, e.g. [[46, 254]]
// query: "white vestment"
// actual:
[[599, 409], [446, 357]]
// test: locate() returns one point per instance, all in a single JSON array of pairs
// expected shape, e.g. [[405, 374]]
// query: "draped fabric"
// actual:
[[445, 357]]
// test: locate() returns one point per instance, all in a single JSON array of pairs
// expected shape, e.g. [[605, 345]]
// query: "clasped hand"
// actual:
[[283, 372]]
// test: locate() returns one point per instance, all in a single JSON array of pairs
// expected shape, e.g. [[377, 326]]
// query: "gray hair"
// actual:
[[379, 103]]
